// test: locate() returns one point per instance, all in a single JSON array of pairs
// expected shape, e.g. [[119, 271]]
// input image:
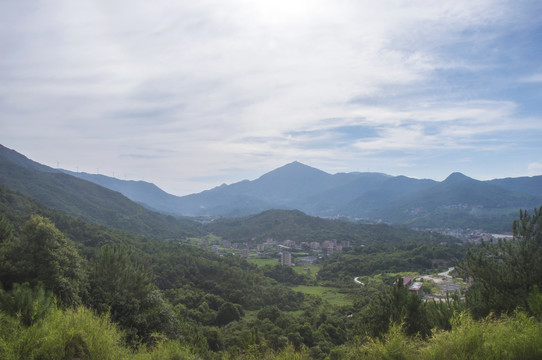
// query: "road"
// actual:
[[356, 280]]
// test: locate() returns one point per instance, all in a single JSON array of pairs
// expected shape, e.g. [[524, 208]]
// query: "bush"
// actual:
[[509, 337], [68, 334], [26, 303]]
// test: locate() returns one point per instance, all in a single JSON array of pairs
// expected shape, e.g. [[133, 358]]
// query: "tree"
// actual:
[[126, 290], [269, 312], [44, 255], [396, 305], [6, 229], [227, 313], [26, 303], [506, 272]]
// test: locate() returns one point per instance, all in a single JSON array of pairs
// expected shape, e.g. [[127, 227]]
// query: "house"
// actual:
[[406, 281], [417, 288]]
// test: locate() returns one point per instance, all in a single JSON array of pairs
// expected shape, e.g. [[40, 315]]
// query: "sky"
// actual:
[[192, 94]]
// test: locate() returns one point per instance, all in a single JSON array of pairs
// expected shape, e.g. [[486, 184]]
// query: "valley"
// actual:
[[278, 283]]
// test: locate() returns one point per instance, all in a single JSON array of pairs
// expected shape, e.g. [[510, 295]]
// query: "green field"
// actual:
[[309, 269], [211, 239], [263, 262], [329, 294]]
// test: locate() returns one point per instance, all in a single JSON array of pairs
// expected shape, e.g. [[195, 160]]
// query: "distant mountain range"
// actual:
[[86, 200], [457, 202]]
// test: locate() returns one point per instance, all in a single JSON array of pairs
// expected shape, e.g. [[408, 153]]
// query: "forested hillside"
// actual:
[[297, 226], [70, 249], [210, 307], [91, 202]]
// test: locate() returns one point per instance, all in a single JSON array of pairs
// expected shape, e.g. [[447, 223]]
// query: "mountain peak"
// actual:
[[296, 164], [294, 170], [456, 177]]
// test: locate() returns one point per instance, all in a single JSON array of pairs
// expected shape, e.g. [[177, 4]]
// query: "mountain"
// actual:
[[142, 192], [87, 200], [383, 195], [457, 202], [292, 186], [530, 185], [21, 160]]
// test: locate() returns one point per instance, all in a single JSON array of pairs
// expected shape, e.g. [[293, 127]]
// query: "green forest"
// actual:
[[72, 289]]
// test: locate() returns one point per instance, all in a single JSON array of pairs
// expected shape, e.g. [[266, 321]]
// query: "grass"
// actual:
[[211, 239], [263, 262], [329, 294], [250, 315], [311, 269]]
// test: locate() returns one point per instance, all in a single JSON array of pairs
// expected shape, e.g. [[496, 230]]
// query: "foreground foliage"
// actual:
[[76, 290], [82, 334], [76, 334], [517, 336], [506, 273]]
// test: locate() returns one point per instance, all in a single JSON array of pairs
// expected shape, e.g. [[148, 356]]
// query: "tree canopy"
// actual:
[[505, 272], [44, 255]]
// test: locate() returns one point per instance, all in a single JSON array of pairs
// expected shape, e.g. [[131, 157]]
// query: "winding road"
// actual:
[[356, 280]]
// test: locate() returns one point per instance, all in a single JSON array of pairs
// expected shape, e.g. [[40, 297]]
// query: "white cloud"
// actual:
[[535, 78], [224, 84], [534, 168]]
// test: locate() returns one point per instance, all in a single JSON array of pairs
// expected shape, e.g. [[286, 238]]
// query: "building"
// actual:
[[308, 259], [417, 288], [345, 244], [245, 253], [289, 243], [214, 249], [286, 258], [407, 281]]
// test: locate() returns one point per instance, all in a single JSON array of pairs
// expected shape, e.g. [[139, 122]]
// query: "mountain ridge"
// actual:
[[90, 201], [456, 200]]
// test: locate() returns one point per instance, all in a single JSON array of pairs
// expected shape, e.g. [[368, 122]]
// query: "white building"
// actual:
[[286, 258]]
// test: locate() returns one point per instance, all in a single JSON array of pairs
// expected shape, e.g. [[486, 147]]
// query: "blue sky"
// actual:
[[192, 94]]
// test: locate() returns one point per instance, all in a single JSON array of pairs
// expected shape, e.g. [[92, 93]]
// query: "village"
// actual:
[[305, 252], [429, 287]]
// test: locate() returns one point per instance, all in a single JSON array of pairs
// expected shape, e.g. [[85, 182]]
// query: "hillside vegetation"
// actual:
[[86, 273], [72, 289]]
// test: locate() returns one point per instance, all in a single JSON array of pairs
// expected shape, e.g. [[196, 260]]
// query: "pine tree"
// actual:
[[44, 255], [506, 272], [122, 287]]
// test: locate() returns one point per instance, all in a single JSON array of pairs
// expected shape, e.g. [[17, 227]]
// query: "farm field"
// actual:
[[263, 262], [332, 295]]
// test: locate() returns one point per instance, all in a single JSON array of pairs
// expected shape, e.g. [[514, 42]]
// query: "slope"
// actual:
[[379, 197], [91, 202], [525, 184], [295, 225], [459, 201], [142, 192]]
